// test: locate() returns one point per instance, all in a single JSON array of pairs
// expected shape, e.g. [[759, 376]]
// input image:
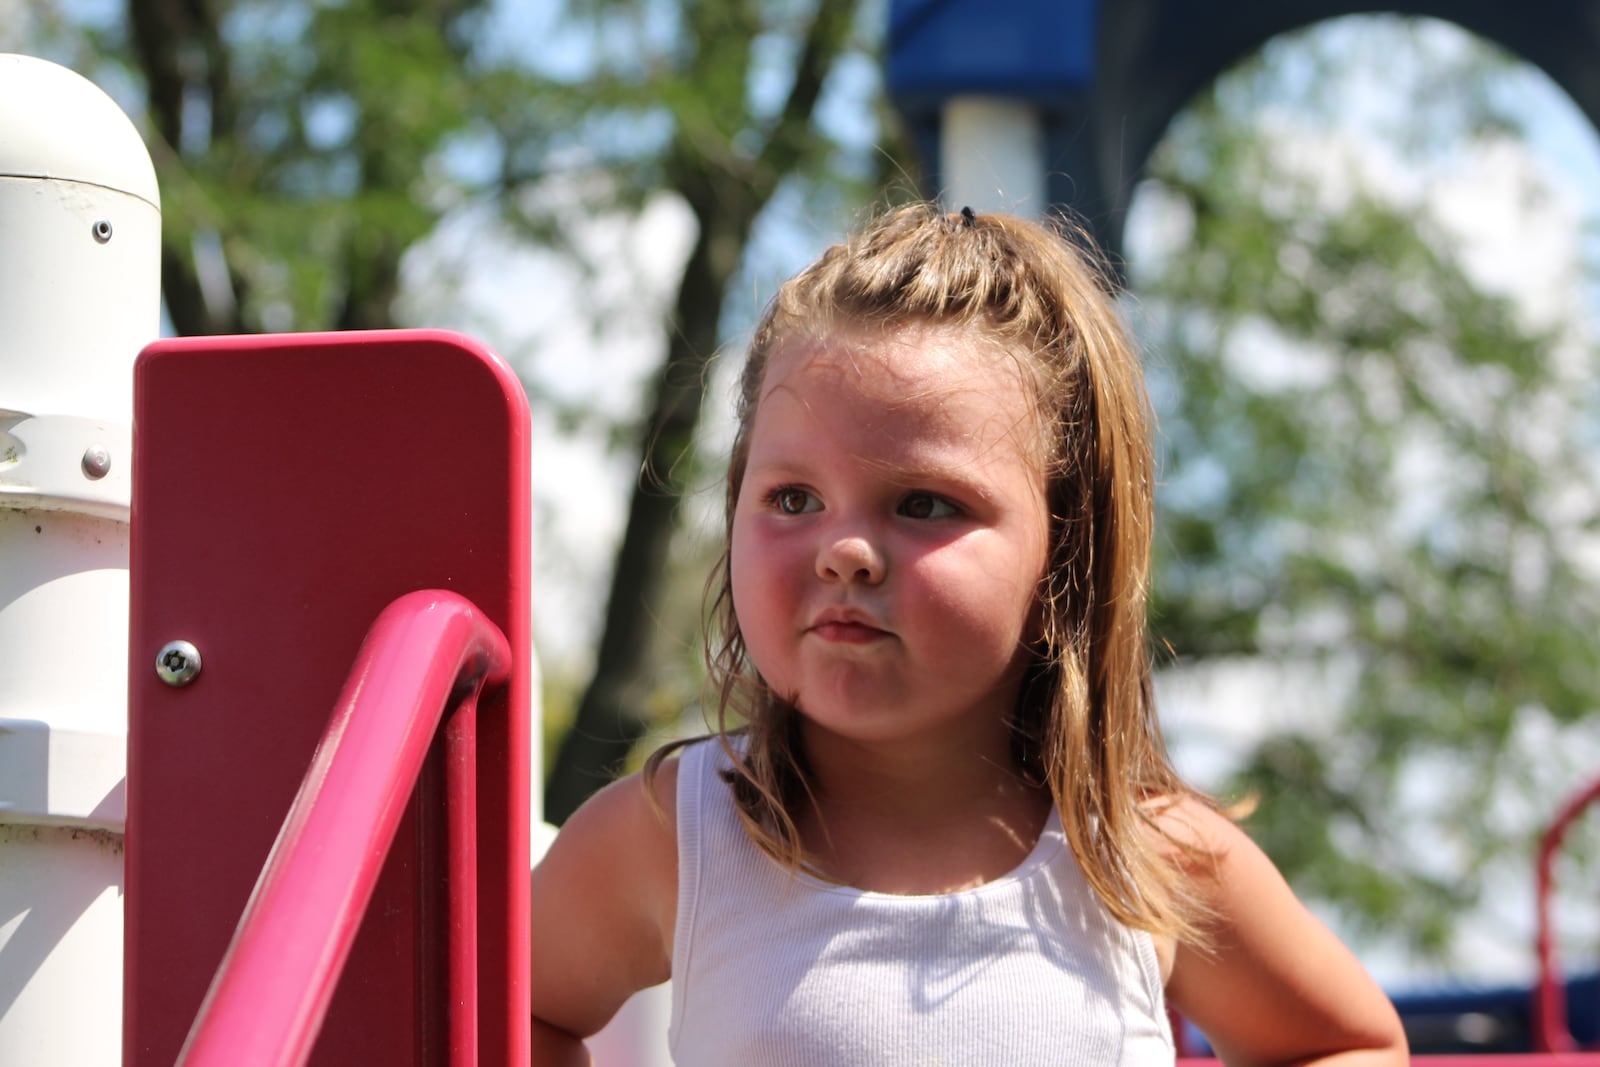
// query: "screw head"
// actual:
[[178, 663], [96, 462]]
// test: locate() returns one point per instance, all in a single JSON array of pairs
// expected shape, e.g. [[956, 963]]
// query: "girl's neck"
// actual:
[[920, 781], [916, 819]]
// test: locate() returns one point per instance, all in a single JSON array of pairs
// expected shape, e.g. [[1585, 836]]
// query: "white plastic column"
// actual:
[[991, 155], [80, 230]]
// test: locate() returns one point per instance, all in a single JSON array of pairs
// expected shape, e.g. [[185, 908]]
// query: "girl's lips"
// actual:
[[847, 632]]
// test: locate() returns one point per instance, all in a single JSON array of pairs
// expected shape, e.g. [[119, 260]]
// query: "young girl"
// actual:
[[948, 832]]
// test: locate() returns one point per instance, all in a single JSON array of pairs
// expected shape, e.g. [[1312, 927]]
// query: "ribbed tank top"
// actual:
[[772, 968]]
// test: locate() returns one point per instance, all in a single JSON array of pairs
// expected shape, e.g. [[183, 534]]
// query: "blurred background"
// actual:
[[1362, 262]]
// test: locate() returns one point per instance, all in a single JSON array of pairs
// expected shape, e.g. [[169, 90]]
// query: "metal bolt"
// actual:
[[96, 462], [101, 230], [178, 663]]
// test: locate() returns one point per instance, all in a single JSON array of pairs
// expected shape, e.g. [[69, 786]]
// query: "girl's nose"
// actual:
[[850, 558]]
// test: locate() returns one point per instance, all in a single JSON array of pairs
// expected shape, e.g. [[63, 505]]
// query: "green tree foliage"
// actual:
[[1379, 479]]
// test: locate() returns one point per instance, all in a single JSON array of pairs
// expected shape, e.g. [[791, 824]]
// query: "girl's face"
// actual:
[[890, 534]]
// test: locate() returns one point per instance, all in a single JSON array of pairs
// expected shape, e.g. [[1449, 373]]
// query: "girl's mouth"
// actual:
[[847, 632]]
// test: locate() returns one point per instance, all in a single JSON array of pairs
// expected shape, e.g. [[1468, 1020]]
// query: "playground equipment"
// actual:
[[1553, 995], [388, 489]]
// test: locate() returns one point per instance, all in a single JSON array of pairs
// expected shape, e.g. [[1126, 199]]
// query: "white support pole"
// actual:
[[80, 227], [991, 155]]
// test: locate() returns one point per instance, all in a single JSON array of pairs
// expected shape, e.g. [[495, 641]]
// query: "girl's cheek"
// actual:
[[751, 576]]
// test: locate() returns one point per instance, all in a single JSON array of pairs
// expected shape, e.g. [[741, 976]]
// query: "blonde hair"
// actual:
[[1085, 722]]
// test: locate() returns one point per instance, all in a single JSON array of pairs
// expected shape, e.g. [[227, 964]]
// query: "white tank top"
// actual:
[[777, 969]]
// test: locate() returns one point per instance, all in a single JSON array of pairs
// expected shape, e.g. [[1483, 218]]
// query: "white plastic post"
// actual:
[[80, 226], [991, 155]]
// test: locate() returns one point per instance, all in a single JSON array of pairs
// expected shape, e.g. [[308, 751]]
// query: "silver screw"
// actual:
[[96, 462], [178, 663], [101, 230]]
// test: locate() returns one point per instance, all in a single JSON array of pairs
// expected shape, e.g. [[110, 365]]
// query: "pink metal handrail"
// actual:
[[427, 652], [1550, 1030]]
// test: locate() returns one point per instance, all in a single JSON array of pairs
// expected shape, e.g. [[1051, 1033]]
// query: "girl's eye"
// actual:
[[791, 501], [926, 506]]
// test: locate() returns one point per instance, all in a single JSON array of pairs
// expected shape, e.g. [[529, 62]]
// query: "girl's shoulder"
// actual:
[[636, 817], [1191, 830], [1308, 993]]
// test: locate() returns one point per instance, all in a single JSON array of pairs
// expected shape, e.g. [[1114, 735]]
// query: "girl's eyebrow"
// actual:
[[947, 477], [780, 467]]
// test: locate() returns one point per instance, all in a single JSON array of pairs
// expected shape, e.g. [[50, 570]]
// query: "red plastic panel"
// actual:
[[287, 489]]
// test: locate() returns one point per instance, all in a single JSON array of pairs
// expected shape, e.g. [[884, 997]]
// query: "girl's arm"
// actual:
[[1274, 986], [604, 901]]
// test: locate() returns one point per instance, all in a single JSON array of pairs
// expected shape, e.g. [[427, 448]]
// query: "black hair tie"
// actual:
[[968, 218]]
